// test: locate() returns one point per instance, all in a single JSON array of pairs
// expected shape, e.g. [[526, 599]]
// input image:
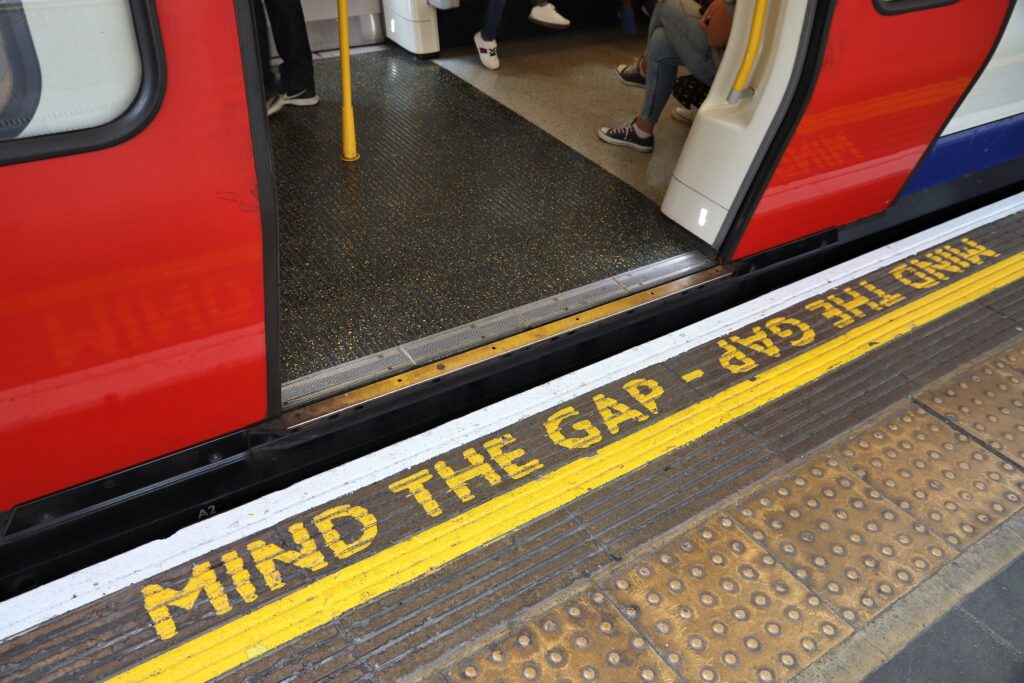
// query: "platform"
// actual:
[[796, 488]]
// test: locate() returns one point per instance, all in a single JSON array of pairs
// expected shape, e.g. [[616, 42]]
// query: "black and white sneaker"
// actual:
[[630, 74], [302, 98], [274, 104], [627, 136], [487, 50]]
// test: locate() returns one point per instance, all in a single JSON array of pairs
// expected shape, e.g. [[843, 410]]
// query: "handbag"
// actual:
[[689, 91]]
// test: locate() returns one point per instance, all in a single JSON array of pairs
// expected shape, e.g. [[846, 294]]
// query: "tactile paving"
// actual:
[[936, 474], [842, 538], [987, 401], [1014, 356], [584, 639], [719, 608]]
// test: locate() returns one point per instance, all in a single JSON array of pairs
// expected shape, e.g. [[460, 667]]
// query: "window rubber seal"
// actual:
[[126, 126]]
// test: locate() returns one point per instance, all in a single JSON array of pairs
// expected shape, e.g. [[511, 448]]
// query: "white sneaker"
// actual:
[[684, 114], [548, 17], [302, 98], [487, 50], [274, 104]]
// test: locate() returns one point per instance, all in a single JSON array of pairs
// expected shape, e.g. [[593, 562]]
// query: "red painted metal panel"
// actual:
[[132, 299], [887, 85]]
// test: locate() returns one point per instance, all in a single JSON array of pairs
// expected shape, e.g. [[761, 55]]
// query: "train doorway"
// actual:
[[483, 204]]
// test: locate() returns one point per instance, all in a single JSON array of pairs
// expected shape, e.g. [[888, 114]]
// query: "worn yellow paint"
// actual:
[[401, 382], [226, 647]]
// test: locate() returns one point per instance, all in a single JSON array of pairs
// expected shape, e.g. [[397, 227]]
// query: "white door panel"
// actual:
[[725, 138], [999, 91]]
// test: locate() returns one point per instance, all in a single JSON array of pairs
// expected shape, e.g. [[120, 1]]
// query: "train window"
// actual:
[[75, 75]]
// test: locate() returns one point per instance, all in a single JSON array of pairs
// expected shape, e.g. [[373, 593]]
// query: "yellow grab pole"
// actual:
[[739, 85], [348, 117]]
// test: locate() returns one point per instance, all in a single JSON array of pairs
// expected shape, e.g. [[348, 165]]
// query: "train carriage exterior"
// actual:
[[140, 385]]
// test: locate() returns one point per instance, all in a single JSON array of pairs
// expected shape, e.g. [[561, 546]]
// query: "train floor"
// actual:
[[481, 205], [825, 483]]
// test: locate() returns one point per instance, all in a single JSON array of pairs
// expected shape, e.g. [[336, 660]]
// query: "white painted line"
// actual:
[[87, 585]]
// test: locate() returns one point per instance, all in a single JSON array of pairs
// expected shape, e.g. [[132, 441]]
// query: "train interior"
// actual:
[[483, 203]]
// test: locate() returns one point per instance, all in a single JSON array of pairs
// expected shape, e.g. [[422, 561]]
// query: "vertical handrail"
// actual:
[[741, 83], [348, 117]]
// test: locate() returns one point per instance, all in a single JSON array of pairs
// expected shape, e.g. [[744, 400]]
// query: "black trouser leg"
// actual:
[[289, 27], [259, 17]]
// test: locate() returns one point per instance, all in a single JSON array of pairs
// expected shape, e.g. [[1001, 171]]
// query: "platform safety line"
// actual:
[[251, 635], [25, 611]]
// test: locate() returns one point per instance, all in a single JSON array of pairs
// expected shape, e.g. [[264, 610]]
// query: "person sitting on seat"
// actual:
[[543, 14], [675, 38]]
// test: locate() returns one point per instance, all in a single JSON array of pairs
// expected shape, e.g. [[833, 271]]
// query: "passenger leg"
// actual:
[[544, 14], [688, 40], [492, 19], [635, 73], [655, 21], [627, 17], [662, 63], [289, 26], [270, 95], [486, 45]]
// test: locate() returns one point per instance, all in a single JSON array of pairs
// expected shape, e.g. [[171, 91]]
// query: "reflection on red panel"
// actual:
[[887, 85], [132, 299]]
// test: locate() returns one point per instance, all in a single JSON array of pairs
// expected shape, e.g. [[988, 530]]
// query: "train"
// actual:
[[140, 361]]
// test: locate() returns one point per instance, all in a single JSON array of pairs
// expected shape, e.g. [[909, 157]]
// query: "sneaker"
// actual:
[[547, 16], [274, 104], [487, 50], [302, 98], [630, 74], [627, 136], [627, 20], [684, 114]]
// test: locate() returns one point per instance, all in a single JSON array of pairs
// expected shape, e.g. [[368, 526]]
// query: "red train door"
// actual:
[[892, 73], [135, 257]]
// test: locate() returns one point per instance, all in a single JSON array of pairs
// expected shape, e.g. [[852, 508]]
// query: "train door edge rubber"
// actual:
[[266, 181], [787, 119]]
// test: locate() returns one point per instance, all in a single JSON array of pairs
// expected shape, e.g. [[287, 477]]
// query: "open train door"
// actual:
[[138, 238], [820, 114]]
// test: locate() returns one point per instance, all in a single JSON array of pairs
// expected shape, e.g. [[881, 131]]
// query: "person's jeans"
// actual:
[[673, 38], [492, 18], [289, 27]]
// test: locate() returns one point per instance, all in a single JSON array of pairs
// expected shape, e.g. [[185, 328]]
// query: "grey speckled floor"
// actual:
[[566, 84], [458, 209]]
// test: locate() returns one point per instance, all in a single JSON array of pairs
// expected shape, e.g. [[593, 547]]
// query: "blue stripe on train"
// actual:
[[968, 151]]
